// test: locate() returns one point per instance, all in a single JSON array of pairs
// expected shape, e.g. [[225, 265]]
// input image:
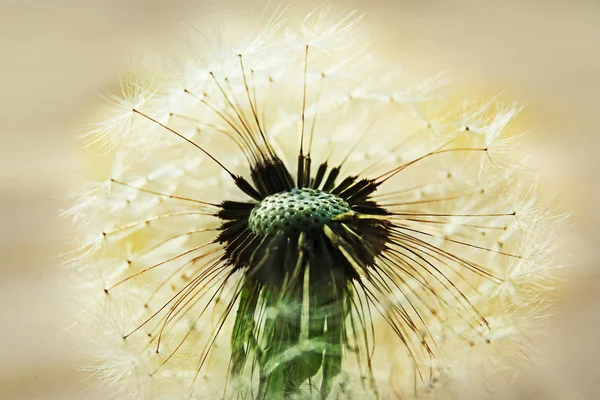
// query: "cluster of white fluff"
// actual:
[[138, 235]]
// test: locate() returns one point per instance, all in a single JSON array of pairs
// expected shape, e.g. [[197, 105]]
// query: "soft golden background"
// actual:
[[56, 55]]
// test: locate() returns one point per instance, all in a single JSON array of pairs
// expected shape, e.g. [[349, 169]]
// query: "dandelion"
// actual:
[[286, 217]]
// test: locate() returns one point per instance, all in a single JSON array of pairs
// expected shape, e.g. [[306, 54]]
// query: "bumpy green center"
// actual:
[[299, 210]]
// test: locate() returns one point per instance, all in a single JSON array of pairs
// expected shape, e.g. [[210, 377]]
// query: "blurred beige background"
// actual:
[[56, 55]]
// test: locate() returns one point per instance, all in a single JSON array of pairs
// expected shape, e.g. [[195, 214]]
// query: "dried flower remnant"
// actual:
[[286, 217]]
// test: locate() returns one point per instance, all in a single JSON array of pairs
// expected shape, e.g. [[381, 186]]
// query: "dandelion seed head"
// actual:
[[285, 216]]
